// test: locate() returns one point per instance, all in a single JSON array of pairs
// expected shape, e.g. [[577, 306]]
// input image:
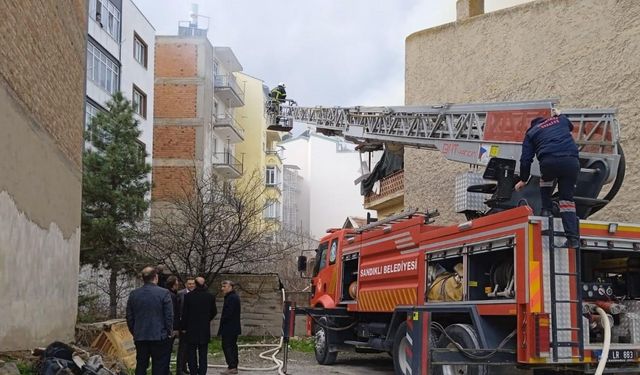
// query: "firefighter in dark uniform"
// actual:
[[279, 94], [551, 142]]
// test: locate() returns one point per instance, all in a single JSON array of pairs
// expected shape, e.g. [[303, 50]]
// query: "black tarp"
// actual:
[[392, 160]]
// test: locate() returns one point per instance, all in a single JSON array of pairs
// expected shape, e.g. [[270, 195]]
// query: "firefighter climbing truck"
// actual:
[[497, 290]]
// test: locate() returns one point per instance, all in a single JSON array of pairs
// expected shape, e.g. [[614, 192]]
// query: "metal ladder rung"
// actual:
[[573, 278], [546, 232], [566, 344]]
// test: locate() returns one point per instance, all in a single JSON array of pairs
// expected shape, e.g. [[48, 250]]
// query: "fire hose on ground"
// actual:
[[607, 341]]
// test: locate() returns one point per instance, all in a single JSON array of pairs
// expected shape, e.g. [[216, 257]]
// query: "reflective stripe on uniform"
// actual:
[[567, 206], [546, 183]]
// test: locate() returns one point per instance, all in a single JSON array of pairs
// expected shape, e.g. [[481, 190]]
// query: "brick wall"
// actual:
[[174, 142], [176, 60], [40, 61], [175, 101], [170, 182], [591, 58]]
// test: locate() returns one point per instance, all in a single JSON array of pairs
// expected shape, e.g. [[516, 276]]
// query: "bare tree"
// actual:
[[286, 266], [211, 227]]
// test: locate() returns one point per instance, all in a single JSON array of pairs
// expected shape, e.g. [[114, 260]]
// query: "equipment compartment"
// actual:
[[491, 275]]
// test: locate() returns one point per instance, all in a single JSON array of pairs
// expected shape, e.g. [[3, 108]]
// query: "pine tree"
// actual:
[[114, 190]]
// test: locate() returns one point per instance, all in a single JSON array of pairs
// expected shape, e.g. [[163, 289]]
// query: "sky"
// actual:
[[327, 52]]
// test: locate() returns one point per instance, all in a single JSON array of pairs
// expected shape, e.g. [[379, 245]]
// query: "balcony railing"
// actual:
[[226, 86], [390, 187], [228, 161], [226, 124]]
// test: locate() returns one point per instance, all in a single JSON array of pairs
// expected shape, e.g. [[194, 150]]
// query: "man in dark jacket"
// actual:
[[230, 327], [181, 358], [150, 321], [198, 312], [551, 142], [172, 285]]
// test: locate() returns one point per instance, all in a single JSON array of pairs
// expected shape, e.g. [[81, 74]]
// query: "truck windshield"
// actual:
[[321, 258]]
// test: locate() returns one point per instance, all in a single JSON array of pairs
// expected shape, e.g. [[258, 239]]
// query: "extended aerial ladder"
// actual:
[[473, 134], [378, 263]]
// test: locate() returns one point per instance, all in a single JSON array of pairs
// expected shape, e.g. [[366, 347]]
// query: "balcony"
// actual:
[[390, 197], [275, 153], [228, 128], [227, 90], [227, 165]]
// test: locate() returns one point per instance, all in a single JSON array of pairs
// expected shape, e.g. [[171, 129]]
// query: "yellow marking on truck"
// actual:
[[535, 295]]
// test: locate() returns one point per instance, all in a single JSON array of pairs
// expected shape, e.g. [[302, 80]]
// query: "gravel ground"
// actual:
[[305, 363]]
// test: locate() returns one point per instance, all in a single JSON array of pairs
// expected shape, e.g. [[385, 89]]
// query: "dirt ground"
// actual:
[[304, 363]]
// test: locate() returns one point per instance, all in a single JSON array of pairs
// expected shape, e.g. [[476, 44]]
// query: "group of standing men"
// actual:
[[157, 315]]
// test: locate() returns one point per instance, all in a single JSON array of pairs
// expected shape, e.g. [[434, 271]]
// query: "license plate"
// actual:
[[618, 355]]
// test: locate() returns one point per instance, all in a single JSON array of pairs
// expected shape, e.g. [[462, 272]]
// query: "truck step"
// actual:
[[358, 344]]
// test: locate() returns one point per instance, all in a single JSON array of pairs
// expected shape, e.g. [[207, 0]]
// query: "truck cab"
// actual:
[[326, 289]]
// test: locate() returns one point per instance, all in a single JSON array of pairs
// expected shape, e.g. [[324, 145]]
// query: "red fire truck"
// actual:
[[497, 290]]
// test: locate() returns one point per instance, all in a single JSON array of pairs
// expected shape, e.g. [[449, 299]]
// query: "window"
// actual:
[[142, 151], [272, 210], [321, 258], [107, 15], [333, 252], [139, 50], [139, 102], [90, 111], [102, 70], [270, 178]]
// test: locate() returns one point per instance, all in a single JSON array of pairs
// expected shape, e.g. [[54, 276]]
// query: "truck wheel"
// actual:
[[401, 364], [465, 335], [323, 355]]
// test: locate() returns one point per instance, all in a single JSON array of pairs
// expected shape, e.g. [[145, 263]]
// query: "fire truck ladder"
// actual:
[[574, 330], [456, 130]]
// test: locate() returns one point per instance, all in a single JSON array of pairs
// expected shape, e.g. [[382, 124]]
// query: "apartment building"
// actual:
[[120, 57], [260, 152], [196, 94], [326, 192]]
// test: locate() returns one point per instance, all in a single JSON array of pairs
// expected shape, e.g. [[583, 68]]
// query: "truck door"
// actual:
[[324, 274]]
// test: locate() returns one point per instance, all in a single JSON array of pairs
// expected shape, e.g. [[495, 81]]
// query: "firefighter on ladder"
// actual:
[[278, 95], [550, 141]]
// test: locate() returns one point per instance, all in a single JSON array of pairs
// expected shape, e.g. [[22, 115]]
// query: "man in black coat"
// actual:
[[230, 327], [198, 311], [181, 358], [150, 321]]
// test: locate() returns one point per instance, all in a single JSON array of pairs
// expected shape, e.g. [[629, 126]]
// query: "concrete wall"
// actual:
[[42, 73], [584, 52], [251, 118]]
